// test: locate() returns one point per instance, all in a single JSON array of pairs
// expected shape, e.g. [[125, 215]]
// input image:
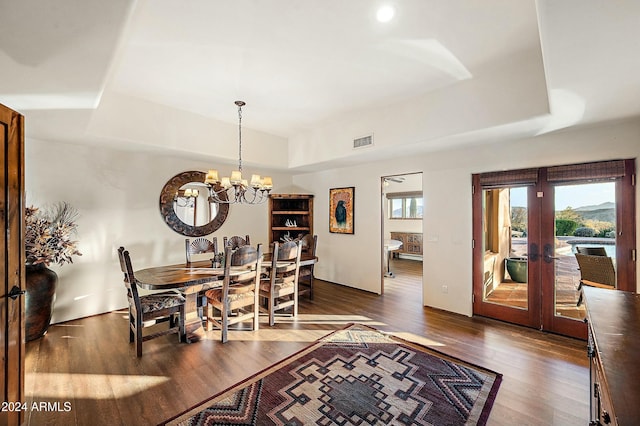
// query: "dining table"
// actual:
[[192, 278]]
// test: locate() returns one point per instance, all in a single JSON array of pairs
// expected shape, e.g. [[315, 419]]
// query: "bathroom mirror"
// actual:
[[185, 207]]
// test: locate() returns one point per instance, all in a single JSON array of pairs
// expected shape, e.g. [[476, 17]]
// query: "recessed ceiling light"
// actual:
[[385, 13]]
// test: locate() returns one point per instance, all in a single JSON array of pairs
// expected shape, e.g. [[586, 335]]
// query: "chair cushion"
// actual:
[[158, 301], [279, 287], [215, 296]]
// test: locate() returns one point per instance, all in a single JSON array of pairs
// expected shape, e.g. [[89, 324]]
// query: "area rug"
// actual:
[[355, 376]]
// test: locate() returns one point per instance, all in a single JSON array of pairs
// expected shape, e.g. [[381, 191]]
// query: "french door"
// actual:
[[527, 226]]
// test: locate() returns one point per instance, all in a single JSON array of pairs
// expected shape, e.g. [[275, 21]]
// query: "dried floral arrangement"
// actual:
[[48, 234]]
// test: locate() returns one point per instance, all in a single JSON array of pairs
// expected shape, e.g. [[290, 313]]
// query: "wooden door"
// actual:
[[11, 301], [610, 180], [525, 269], [506, 250]]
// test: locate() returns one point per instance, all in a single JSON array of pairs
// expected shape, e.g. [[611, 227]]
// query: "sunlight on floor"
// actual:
[[92, 386], [414, 338], [328, 319], [292, 335], [267, 335]]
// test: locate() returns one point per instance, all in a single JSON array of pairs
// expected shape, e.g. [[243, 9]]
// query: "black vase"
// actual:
[[41, 285]]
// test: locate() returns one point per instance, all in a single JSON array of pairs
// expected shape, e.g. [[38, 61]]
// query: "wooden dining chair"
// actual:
[[195, 250], [305, 279], [150, 309], [237, 300], [200, 246], [595, 271], [279, 288], [236, 241]]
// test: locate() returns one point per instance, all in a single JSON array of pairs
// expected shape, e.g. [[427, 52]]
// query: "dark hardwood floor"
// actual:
[[90, 364]]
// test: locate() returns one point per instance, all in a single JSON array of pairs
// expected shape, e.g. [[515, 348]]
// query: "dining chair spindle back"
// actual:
[[280, 287], [237, 300], [150, 309], [236, 241], [305, 279], [196, 250], [200, 246]]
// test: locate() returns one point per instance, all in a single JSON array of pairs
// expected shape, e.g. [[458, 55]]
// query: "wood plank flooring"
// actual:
[[90, 364]]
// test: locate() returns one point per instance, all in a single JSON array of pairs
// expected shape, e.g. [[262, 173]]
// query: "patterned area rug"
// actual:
[[355, 376]]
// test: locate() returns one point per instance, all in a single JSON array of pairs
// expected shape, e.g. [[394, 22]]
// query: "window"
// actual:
[[405, 205]]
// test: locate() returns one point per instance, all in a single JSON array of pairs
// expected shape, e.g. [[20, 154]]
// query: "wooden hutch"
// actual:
[[290, 215], [613, 317]]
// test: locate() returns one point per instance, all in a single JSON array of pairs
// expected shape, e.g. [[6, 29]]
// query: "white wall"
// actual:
[[117, 195], [355, 260]]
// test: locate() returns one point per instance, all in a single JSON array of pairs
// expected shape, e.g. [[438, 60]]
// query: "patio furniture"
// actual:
[[489, 273], [593, 251], [595, 271]]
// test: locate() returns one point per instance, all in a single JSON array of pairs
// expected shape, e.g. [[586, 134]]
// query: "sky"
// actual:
[[573, 196]]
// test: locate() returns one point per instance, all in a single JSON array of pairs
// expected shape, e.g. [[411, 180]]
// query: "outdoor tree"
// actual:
[[569, 214], [519, 219]]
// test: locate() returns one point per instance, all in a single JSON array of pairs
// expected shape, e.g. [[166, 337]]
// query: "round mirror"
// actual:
[[185, 206]]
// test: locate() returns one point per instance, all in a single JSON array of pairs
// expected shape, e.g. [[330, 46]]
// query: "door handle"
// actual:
[[534, 254], [548, 253], [15, 292]]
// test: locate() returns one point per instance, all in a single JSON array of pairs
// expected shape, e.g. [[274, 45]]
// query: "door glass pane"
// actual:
[[585, 222], [505, 247]]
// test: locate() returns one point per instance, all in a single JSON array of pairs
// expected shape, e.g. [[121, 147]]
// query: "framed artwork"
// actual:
[[341, 210]]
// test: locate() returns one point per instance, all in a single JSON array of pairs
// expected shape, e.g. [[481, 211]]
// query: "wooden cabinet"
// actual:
[[290, 215], [411, 242], [613, 317]]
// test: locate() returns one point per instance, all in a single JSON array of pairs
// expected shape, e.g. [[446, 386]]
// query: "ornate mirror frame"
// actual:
[[167, 196]]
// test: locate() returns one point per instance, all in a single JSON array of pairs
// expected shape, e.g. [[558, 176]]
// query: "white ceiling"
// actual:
[[299, 64]]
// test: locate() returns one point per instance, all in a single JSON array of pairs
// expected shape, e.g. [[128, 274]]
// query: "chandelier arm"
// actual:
[[236, 194], [258, 196]]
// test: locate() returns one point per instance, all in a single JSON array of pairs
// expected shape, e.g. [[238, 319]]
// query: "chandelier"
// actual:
[[235, 189]]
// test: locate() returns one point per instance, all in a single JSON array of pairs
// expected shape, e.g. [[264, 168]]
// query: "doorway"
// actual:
[[528, 226], [402, 212]]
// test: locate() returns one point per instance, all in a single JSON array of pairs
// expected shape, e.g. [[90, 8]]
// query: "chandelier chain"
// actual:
[[240, 135]]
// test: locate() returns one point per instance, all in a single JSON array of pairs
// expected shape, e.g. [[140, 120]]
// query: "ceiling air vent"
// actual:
[[363, 141]]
